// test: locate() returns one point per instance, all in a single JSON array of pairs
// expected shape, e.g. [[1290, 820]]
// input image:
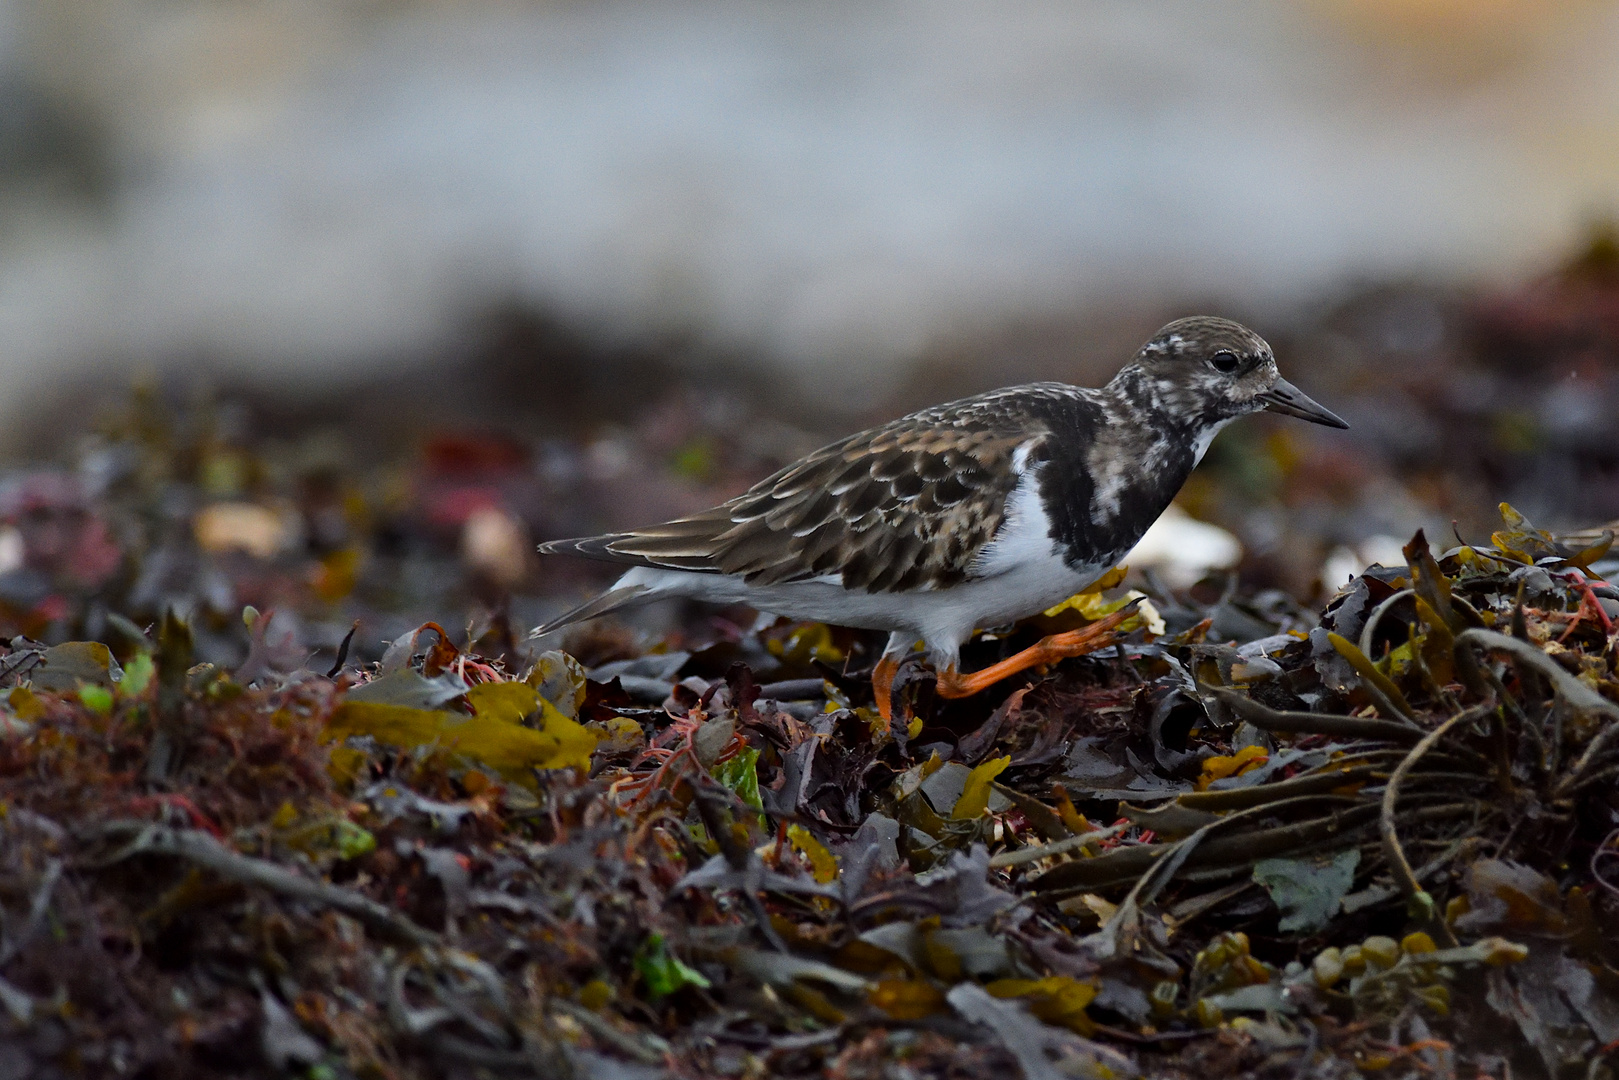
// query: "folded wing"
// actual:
[[904, 506]]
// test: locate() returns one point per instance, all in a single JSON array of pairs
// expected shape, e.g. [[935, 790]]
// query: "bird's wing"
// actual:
[[904, 506]]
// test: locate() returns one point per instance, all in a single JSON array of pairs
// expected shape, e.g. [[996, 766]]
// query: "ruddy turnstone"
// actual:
[[975, 513]]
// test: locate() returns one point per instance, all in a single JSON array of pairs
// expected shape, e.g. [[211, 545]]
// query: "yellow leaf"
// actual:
[[1218, 768], [595, 995], [941, 958], [1502, 952], [1056, 1000], [25, 704], [914, 728], [560, 679], [345, 764], [512, 750], [907, 999], [1095, 605], [874, 723], [1071, 817], [618, 734], [906, 784], [822, 862], [73, 663], [1367, 670], [1102, 909], [1090, 604], [337, 574], [812, 641], [284, 816], [240, 526], [975, 792], [508, 701], [813, 1002], [1107, 580]]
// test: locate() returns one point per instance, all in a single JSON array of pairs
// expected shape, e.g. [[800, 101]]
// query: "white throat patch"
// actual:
[[1205, 438]]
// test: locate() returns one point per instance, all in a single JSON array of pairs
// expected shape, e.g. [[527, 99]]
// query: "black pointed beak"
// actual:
[[1285, 398]]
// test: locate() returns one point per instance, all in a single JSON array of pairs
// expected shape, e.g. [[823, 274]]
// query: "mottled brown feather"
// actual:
[[908, 505]]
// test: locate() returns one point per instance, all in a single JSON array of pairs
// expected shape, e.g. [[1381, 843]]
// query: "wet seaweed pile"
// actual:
[[1245, 841], [284, 791]]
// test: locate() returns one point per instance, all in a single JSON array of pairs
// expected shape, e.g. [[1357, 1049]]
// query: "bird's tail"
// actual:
[[612, 600]]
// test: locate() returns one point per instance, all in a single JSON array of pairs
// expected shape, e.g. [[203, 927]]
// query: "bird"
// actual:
[[971, 514]]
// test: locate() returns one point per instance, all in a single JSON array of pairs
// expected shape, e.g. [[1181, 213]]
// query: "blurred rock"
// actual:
[[1180, 550], [245, 527], [1346, 562], [292, 192], [495, 544]]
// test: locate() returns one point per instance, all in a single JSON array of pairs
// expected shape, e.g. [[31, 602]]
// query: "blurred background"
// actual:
[[337, 307]]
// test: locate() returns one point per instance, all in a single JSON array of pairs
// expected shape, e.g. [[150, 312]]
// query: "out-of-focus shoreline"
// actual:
[[301, 196]]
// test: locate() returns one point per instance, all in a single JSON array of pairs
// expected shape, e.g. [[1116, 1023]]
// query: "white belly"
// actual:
[[943, 618], [1017, 575]]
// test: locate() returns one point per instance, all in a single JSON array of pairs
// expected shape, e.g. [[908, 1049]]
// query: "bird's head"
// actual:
[[1204, 371]]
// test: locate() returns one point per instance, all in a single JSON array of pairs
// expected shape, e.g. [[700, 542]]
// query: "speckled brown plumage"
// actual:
[[908, 505]]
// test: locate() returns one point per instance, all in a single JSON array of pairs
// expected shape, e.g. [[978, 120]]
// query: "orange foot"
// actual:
[[1087, 639], [882, 685]]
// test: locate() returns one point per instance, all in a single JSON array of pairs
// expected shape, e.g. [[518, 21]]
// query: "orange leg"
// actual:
[[1087, 639], [882, 685]]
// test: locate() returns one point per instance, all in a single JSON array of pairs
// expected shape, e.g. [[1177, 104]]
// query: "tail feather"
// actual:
[[653, 549], [609, 601], [589, 547]]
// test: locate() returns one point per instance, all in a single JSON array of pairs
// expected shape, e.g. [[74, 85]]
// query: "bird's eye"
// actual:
[[1225, 363]]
